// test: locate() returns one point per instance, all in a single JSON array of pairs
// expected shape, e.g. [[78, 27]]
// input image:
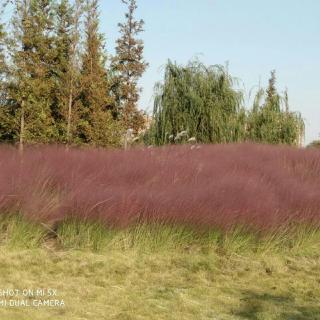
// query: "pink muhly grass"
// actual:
[[214, 186]]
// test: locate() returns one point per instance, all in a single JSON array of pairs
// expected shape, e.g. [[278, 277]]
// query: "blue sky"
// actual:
[[253, 36]]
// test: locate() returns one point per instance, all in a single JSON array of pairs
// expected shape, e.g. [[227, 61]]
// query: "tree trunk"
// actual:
[[21, 139], [69, 116]]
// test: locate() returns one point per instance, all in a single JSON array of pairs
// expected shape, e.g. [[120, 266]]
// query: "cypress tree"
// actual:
[[20, 49], [272, 98], [5, 123], [3, 66], [129, 66], [67, 43], [62, 61], [96, 124], [31, 76], [271, 121], [2, 56]]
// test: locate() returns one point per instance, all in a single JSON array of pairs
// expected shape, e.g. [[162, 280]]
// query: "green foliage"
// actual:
[[5, 125], [105, 130], [96, 124], [18, 232], [270, 122], [128, 66], [63, 67], [74, 234], [55, 86], [2, 56], [200, 101], [31, 82]]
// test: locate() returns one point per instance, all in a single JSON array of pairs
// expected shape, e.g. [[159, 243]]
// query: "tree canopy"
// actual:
[[200, 103]]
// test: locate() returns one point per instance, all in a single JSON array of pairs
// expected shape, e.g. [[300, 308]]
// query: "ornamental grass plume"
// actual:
[[213, 186]]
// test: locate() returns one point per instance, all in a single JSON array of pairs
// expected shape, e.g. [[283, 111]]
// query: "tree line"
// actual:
[[58, 84], [196, 103]]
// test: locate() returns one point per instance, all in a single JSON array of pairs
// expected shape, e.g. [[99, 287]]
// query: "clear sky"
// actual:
[[254, 36]]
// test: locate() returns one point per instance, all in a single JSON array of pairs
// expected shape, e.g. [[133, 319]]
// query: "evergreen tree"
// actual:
[[270, 123], [4, 124], [272, 98], [129, 66], [96, 124], [12, 126], [31, 76], [2, 56], [63, 25], [67, 42]]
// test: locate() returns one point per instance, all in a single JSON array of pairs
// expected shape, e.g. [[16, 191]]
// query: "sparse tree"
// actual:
[[128, 66]]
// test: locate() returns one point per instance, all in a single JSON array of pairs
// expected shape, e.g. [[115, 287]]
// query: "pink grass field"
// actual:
[[214, 186]]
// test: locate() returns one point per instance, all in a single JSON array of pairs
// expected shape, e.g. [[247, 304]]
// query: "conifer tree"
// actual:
[[31, 86], [67, 44], [63, 25], [270, 122], [20, 48], [272, 96], [3, 99], [129, 66], [2, 56], [96, 124]]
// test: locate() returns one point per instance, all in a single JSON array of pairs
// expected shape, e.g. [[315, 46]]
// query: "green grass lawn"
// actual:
[[126, 277]]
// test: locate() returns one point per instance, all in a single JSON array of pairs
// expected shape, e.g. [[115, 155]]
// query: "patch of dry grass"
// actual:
[[178, 284]]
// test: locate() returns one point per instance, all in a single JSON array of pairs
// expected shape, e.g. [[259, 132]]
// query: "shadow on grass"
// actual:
[[256, 304]]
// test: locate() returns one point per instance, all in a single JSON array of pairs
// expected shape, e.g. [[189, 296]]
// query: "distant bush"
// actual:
[[314, 144]]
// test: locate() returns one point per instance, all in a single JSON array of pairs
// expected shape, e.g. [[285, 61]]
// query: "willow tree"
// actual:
[[199, 102], [271, 121]]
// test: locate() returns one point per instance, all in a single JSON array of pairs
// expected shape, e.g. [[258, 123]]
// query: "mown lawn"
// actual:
[[177, 283]]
